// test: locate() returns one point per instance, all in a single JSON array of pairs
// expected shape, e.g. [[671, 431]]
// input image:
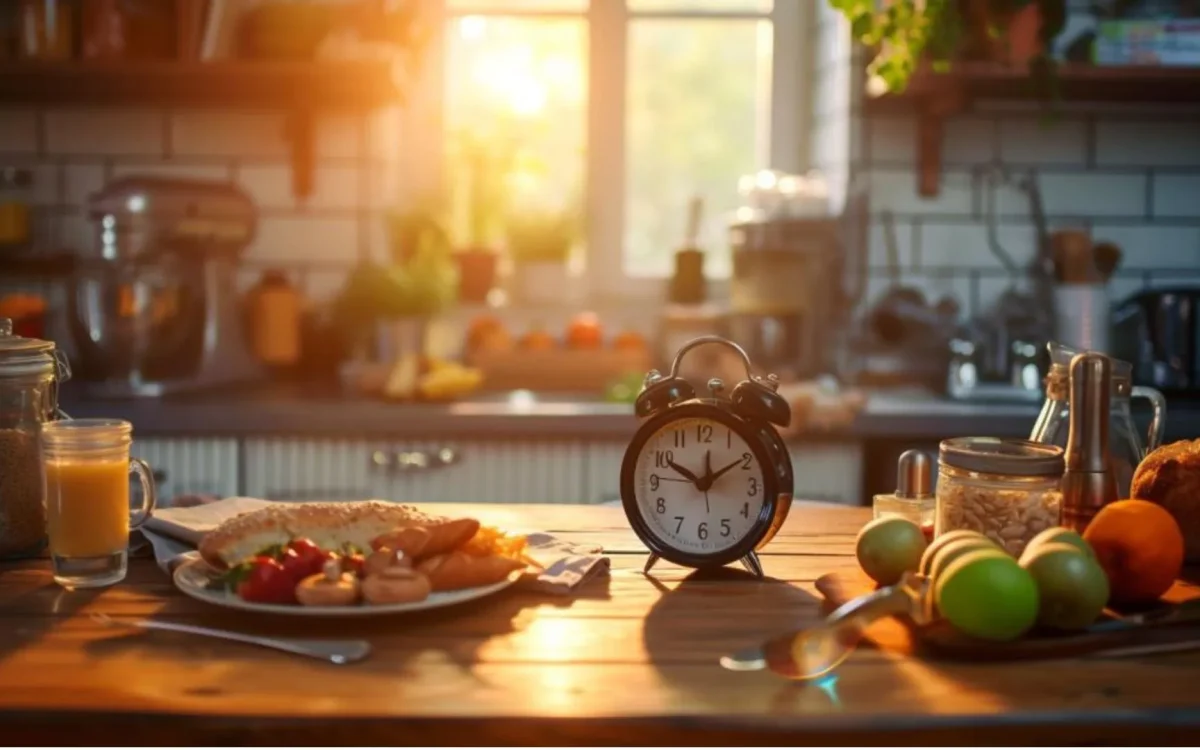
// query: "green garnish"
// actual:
[[229, 580]]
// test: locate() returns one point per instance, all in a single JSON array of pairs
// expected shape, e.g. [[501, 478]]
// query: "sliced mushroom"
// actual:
[[329, 588], [395, 585]]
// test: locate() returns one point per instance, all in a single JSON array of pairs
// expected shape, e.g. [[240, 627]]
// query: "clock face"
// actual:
[[699, 486]]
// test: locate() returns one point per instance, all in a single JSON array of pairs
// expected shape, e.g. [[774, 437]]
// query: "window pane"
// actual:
[[727, 6], [515, 120], [500, 6], [697, 120]]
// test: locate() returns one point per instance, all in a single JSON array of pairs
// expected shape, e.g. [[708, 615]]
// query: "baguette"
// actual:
[[459, 570], [329, 525]]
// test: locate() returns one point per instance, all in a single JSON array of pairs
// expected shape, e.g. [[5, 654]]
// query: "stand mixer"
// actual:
[[152, 309]]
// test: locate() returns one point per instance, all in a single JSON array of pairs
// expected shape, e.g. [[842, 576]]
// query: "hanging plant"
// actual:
[[904, 34]]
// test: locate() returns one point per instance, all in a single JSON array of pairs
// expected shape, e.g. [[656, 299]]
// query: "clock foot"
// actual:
[[650, 563], [750, 562]]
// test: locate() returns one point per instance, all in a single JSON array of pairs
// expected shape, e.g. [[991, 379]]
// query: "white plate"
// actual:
[[192, 578]]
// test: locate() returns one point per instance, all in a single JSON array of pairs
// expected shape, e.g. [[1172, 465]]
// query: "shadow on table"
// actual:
[[53, 606]]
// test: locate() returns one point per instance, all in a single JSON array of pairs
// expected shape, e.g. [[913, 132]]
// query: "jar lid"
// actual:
[[988, 455], [24, 356]]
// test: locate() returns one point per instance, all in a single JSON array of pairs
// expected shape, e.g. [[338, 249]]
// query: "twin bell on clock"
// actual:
[[706, 479]]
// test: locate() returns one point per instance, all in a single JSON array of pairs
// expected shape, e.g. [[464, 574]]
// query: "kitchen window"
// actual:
[[621, 110]]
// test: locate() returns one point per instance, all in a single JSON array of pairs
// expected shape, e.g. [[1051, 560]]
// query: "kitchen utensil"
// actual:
[[1107, 258], [707, 481], [194, 578], [688, 285], [1082, 315], [336, 652], [1074, 257], [1159, 332], [864, 615], [1126, 448], [1088, 481], [153, 308]]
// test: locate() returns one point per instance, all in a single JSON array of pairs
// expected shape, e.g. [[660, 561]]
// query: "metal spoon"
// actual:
[[337, 652]]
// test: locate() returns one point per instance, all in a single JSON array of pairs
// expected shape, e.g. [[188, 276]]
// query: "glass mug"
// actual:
[[88, 518]]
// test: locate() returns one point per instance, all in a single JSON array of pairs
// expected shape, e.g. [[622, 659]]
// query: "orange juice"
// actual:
[[87, 506]]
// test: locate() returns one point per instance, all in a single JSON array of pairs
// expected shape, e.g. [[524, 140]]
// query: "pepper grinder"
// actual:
[[1088, 482], [914, 498]]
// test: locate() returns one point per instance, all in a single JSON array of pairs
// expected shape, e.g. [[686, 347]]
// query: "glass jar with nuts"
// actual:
[[1005, 489]]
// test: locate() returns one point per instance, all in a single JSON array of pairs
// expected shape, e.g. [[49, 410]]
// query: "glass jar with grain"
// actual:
[[30, 371], [1008, 490]]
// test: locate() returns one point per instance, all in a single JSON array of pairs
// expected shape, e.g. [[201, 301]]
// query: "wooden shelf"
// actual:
[[934, 97], [323, 85], [301, 89]]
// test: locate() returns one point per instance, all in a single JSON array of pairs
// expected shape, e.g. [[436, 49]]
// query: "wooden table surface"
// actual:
[[628, 659]]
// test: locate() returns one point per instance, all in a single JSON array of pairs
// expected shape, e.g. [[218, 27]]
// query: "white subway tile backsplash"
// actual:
[[1165, 142], [1150, 246], [1094, 194], [252, 134], [901, 237], [892, 140], [271, 186], [81, 180], [1177, 195], [60, 232], [18, 131], [385, 130], [1043, 142], [339, 137], [968, 141], [108, 132], [896, 190], [302, 239], [966, 245], [180, 170]]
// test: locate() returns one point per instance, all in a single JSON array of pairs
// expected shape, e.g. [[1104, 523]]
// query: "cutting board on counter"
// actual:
[[939, 640]]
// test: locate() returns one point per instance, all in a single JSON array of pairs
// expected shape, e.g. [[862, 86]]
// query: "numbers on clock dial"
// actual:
[[716, 506]]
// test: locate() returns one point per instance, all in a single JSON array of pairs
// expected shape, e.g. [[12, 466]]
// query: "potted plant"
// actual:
[[908, 33], [540, 244], [480, 173]]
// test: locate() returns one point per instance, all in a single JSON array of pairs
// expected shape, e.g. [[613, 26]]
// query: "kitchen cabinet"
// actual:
[[534, 471], [185, 466]]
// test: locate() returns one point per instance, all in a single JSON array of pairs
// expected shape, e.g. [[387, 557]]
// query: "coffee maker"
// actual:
[[152, 307]]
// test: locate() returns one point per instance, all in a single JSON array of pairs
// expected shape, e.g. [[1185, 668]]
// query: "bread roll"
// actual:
[[329, 525], [459, 570], [430, 538], [1170, 476]]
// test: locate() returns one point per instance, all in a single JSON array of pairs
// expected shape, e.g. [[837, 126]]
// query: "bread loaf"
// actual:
[[329, 525], [1170, 476]]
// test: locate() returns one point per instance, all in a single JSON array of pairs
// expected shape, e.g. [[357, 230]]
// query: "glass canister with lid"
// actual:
[[1008, 490], [30, 372]]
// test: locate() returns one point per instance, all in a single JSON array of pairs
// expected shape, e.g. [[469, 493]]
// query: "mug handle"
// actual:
[[149, 494], [1158, 422]]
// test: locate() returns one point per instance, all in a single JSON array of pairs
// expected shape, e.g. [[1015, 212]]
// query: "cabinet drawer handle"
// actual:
[[412, 461]]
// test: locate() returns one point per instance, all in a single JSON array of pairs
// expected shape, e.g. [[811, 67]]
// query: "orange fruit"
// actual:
[[1140, 547]]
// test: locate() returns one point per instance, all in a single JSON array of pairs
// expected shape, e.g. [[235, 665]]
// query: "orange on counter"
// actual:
[[631, 341], [1140, 547], [585, 332], [537, 340]]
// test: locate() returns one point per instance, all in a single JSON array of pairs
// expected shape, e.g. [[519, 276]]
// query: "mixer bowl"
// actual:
[[136, 321]]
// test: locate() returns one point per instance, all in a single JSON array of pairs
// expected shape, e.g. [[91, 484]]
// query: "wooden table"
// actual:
[[629, 659]]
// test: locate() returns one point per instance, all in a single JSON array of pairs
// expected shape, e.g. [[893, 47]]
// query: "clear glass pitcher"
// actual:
[[1124, 440]]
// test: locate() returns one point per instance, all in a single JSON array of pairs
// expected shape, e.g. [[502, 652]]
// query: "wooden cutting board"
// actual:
[[939, 640]]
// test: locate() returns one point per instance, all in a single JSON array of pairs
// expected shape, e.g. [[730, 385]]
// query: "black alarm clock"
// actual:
[[707, 480]]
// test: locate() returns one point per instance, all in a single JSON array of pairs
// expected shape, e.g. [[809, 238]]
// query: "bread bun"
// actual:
[[1170, 476], [329, 525]]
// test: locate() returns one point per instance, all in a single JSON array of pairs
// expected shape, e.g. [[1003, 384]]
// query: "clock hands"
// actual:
[[683, 472], [714, 477], [706, 482]]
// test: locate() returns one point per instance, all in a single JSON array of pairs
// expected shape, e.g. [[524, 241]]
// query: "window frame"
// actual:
[[608, 24]]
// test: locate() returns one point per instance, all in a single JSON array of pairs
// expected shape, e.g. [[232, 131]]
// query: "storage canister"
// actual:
[[1006, 489]]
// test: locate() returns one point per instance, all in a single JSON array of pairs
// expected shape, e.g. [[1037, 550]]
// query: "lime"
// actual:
[[956, 549], [1057, 534], [986, 594], [1072, 586], [888, 547], [942, 541]]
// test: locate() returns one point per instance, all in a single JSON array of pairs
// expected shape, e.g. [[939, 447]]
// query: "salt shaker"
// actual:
[[913, 498], [1089, 482]]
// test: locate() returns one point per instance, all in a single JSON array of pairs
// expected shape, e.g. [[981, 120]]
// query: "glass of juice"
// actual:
[[88, 508]]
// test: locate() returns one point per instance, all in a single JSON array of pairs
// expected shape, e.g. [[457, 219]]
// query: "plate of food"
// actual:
[[334, 560]]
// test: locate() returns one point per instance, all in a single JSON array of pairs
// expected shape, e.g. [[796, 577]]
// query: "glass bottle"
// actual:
[[1125, 441], [30, 371]]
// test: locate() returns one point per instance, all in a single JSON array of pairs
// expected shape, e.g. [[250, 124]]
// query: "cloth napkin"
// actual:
[[174, 533]]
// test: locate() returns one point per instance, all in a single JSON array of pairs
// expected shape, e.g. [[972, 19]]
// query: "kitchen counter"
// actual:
[[310, 411]]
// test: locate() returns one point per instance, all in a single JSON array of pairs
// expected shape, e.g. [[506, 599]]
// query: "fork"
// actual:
[[337, 652]]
